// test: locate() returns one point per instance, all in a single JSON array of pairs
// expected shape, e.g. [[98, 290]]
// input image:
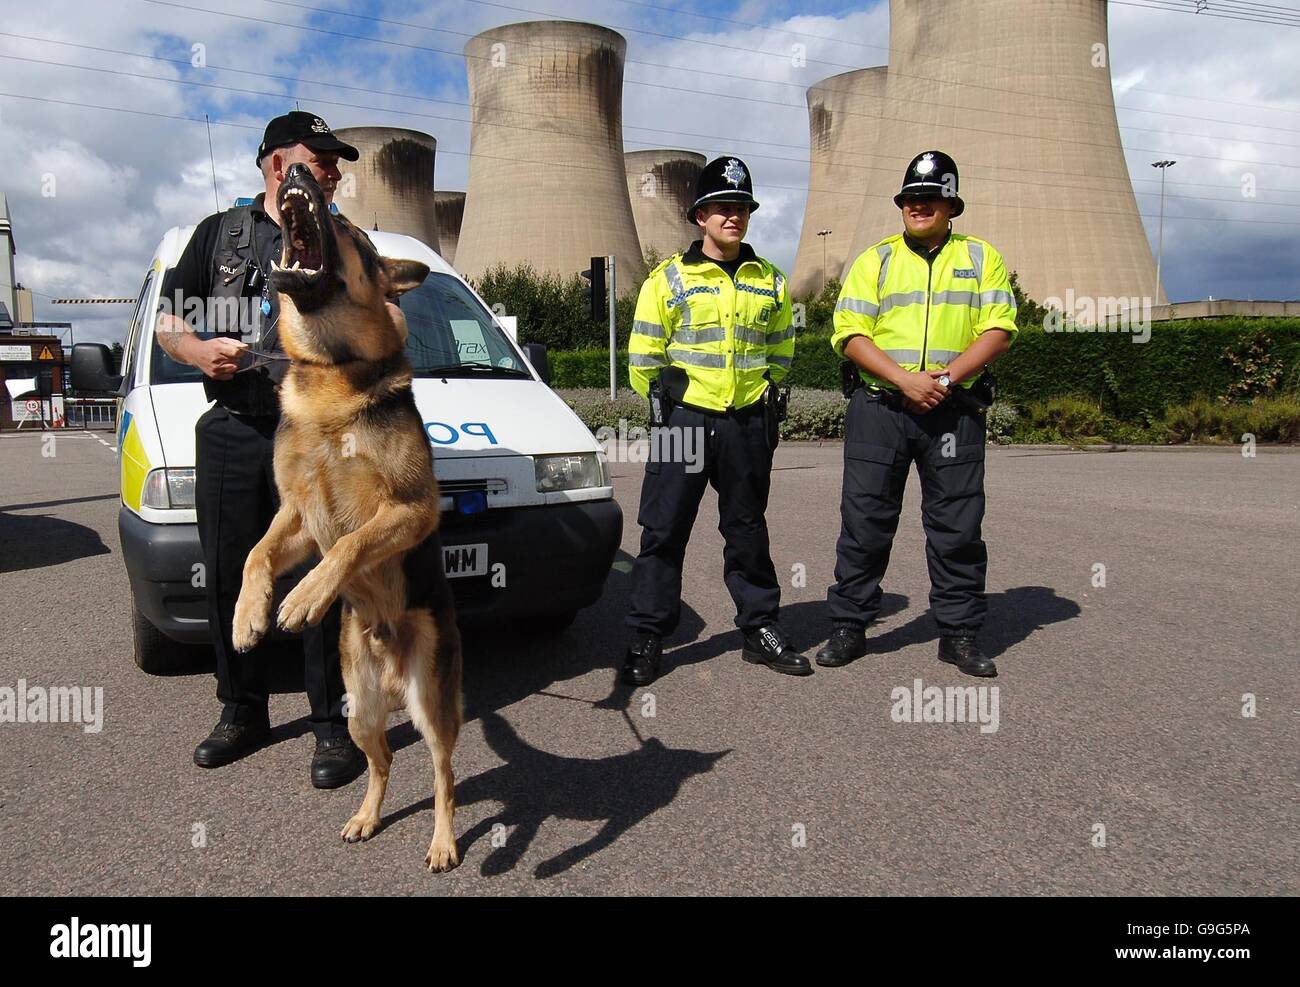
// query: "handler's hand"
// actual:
[[922, 390], [218, 357]]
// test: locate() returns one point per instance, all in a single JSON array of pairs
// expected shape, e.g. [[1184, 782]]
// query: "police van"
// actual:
[[529, 521]]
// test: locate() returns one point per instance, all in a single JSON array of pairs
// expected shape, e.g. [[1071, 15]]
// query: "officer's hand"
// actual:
[[218, 358], [922, 390]]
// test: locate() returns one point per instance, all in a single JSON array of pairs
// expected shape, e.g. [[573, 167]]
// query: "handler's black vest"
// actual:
[[236, 294]]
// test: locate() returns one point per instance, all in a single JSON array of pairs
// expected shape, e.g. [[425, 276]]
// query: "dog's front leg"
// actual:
[[285, 545], [394, 529]]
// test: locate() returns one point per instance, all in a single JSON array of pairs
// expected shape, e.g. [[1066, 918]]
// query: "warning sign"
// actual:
[[45, 354]]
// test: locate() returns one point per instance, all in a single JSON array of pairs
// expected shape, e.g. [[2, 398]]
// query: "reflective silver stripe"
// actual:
[[778, 283], [780, 361], [904, 356], [751, 361], [678, 288], [693, 359], [652, 329], [754, 337], [976, 252], [900, 298], [691, 337], [646, 360], [954, 298], [859, 305], [942, 356], [997, 297], [885, 251], [780, 336]]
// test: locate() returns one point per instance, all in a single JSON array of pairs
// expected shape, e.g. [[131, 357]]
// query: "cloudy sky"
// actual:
[[1220, 95]]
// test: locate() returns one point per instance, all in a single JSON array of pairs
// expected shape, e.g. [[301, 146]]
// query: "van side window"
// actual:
[[140, 322]]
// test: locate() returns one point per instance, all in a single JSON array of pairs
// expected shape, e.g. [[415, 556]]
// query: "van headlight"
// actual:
[[168, 490], [573, 472]]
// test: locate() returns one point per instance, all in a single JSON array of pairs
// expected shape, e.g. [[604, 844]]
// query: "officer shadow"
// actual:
[[1012, 617]]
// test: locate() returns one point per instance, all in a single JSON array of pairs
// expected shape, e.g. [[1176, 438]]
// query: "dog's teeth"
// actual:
[[296, 266], [275, 265]]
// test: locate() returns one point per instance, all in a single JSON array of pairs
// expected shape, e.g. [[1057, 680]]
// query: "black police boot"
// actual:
[[962, 651], [641, 664], [336, 762], [768, 646], [228, 742], [846, 643]]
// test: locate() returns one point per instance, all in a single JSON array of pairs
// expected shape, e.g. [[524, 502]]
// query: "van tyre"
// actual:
[[155, 652]]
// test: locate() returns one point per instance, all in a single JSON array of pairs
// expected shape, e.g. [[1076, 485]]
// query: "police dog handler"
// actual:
[[228, 260], [712, 336], [920, 315]]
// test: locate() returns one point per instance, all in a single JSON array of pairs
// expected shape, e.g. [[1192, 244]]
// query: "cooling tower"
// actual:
[[661, 185], [392, 181], [450, 207], [1020, 96], [843, 112], [546, 184]]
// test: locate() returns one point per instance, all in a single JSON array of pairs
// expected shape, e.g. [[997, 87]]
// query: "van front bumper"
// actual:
[[542, 560]]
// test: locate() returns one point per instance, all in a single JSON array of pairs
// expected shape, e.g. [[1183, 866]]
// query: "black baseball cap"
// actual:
[[300, 127]]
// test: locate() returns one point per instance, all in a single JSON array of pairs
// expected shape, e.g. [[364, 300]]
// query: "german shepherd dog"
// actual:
[[356, 484]]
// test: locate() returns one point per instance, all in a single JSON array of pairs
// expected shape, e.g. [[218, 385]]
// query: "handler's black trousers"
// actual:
[[948, 448], [738, 463], [235, 498]]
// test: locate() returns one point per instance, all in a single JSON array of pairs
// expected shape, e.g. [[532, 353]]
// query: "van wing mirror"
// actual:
[[536, 354], [92, 369]]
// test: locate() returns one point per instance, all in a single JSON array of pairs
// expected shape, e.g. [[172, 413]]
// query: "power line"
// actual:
[[576, 166]]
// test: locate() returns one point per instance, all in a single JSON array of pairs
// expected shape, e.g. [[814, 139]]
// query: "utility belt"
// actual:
[[973, 400], [667, 391]]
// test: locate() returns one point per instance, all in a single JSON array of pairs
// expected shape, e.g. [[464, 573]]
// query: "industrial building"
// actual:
[[546, 175], [661, 185], [390, 187], [843, 113], [1020, 96], [450, 209]]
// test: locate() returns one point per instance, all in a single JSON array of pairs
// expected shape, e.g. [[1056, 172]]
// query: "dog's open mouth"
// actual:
[[303, 236]]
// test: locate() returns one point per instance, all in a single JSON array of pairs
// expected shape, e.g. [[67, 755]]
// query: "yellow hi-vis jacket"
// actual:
[[724, 334], [924, 314]]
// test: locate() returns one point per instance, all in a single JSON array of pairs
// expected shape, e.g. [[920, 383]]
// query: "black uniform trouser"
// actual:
[[235, 499], [880, 443], [738, 463]]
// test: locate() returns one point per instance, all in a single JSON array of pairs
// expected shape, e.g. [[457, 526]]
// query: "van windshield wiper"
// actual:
[[474, 367]]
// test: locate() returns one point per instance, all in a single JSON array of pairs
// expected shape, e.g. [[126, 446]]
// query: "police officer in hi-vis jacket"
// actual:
[[920, 315], [712, 336]]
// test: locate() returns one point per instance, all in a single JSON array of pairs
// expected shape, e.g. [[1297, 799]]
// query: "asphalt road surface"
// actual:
[[1120, 713]]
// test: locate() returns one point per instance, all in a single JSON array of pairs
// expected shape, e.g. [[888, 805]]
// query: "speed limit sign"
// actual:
[[33, 407]]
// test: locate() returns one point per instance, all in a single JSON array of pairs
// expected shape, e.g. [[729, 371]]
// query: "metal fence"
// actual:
[[91, 413]]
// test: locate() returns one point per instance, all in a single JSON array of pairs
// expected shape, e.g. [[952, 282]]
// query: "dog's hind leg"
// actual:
[[369, 717], [433, 698]]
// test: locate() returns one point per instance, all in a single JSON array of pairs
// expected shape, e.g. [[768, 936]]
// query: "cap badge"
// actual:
[[318, 126], [925, 165], [733, 173]]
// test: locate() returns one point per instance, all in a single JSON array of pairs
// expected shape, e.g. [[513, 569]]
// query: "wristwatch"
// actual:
[[945, 380]]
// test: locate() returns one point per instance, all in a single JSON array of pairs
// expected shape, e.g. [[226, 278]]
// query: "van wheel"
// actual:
[[553, 623], [155, 652]]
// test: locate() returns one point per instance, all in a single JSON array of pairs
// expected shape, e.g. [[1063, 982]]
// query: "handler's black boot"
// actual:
[[228, 742], [846, 643], [641, 664], [336, 762], [962, 651], [768, 646]]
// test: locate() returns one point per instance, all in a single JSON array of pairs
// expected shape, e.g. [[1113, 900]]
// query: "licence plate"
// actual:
[[459, 561]]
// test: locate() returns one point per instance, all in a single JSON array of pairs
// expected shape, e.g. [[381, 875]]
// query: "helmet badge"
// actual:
[[925, 165], [733, 173]]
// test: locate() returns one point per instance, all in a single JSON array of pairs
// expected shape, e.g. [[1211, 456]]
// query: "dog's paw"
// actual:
[[251, 620], [360, 827], [307, 602], [442, 855]]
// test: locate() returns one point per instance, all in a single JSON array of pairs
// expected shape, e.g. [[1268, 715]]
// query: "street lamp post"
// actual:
[[1160, 237], [824, 234]]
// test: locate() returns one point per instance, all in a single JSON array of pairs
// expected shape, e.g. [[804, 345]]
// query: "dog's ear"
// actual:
[[403, 275]]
